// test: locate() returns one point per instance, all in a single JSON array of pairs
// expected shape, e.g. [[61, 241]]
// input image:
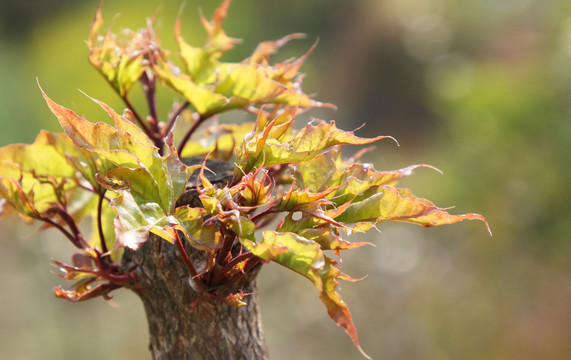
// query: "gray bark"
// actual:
[[183, 322], [182, 326]]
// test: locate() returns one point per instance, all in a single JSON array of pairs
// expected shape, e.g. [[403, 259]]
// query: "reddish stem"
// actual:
[[226, 248], [67, 234], [137, 116], [187, 262], [174, 116], [235, 261], [155, 136], [122, 279], [200, 120], [251, 264], [269, 210], [100, 222], [148, 84]]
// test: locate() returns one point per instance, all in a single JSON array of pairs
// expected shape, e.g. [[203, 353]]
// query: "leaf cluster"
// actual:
[[291, 198]]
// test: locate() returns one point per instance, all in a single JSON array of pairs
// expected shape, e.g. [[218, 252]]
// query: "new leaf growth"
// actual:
[[290, 194]]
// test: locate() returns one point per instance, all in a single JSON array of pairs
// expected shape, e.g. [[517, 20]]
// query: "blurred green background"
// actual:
[[477, 88]]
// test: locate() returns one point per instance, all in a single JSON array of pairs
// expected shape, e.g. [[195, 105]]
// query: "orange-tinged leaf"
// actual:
[[323, 233], [306, 144], [100, 136], [398, 205], [255, 189], [352, 181], [217, 38], [95, 26], [13, 193], [439, 216], [329, 239], [236, 299], [6, 209], [220, 139], [121, 58], [124, 124], [266, 48], [85, 293], [34, 176], [298, 199], [212, 86], [157, 179], [336, 307], [287, 71], [305, 257], [324, 136], [202, 236], [46, 156]]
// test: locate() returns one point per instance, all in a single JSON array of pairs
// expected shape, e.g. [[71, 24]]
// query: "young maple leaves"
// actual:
[[127, 178]]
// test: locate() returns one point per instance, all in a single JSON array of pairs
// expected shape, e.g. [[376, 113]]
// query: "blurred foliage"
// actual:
[[476, 88]]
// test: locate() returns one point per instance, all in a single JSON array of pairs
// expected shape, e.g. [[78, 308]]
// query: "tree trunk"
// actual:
[[181, 324]]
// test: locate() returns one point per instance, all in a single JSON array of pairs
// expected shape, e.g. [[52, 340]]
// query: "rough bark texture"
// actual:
[[183, 323], [182, 326]]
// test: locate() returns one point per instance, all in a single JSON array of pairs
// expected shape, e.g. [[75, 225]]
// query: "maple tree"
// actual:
[[289, 198]]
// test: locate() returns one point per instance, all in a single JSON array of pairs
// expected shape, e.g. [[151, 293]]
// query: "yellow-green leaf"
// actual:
[[134, 222], [121, 58], [400, 205], [323, 233], [305, 257], [212, 86], [310, 141], [218, 140]]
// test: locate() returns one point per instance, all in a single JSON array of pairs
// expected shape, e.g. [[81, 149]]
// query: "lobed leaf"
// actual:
[[46, 156], [218, 140], [134, 222], [121, 58], [399, 205], [289, 250], [350, 180], [127, 156], [124, 124], [260, 150], [305, 257], [336, 307], [13, 195], [297, 199], [34, 177], [125, 162], [201, 234], [212, 86], [323, 233], [264, 49]]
